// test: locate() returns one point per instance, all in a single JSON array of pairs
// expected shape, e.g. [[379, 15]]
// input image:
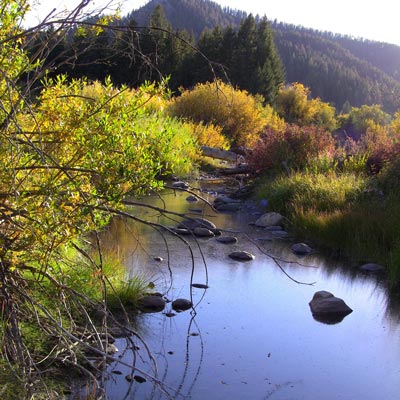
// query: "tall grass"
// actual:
[[336, 212]]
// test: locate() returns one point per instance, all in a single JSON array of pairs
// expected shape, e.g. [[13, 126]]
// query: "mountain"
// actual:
[[191, 15], [337, 68]]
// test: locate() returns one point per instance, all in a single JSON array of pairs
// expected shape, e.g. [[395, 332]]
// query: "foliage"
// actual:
[[339, 69], [84, 146], [305, 191], [360, 119], [295, 146], [293, 105], [240, 115], [208, 135], [68, 160]]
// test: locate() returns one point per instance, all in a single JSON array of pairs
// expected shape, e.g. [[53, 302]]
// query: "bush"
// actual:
[[208, 135], [241, 116], [293, 105], [295, 146]]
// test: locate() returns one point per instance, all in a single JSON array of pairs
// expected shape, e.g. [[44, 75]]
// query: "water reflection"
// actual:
[[252, 334]]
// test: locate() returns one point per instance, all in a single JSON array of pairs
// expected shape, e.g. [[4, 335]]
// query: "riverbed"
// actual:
[[251, 334]]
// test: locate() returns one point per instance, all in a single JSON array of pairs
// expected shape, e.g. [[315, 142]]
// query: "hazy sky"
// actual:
[[370, 19]]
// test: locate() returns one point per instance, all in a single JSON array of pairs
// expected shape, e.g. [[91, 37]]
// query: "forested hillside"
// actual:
[[192, 15], [332, 71], [339, 69]]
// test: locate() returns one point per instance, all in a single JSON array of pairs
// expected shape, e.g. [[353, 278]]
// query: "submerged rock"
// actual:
[[228, 207], [181, 304], [225, 203], [273, 228], [301, 249], [150, 304], [327, 308], [269, 219], [242, 256], [372, 268]]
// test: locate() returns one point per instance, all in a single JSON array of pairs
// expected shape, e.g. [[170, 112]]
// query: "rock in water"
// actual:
[[200, 285], [181, 304], [180, 185], [269, 219], [325, 307], [301, 249], [241, 256], [149, 304], [191, 223], [202, 232], [191, 199], [228, 207], [227, 239]]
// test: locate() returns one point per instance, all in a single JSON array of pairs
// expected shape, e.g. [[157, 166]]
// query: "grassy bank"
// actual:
[[345, 214]]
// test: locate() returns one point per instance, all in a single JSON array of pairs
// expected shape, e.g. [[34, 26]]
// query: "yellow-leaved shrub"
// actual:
[[241, 116]]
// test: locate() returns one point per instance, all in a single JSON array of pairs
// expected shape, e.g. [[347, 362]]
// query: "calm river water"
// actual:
[[252, 335]]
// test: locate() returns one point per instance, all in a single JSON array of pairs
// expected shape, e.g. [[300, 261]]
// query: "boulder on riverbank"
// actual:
[[301, 249], [327, 308], [269, 219]]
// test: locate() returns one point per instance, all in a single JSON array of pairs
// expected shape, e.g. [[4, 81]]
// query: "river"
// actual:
[[252, 335]]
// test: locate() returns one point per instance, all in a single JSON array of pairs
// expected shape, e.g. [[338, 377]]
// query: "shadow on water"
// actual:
[[251, 334]]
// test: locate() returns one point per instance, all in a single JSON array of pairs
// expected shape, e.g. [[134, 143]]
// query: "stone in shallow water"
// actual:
[[242, 256], [139, 379], [182, 231], [181, 304], [149, 304], [227, 239], [200, 285], [325, 307], [372, 267], [197, 223], [228, 206], [180, 185], [203, 232], [301, 249], [191, 199]]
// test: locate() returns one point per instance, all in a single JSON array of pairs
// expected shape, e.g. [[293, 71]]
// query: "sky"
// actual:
[[368, 19]]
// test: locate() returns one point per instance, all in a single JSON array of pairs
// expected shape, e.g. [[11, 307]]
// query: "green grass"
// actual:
[[308, 191], [334, 212]]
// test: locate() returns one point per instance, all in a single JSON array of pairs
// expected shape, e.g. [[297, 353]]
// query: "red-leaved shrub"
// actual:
[[295, 146]]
